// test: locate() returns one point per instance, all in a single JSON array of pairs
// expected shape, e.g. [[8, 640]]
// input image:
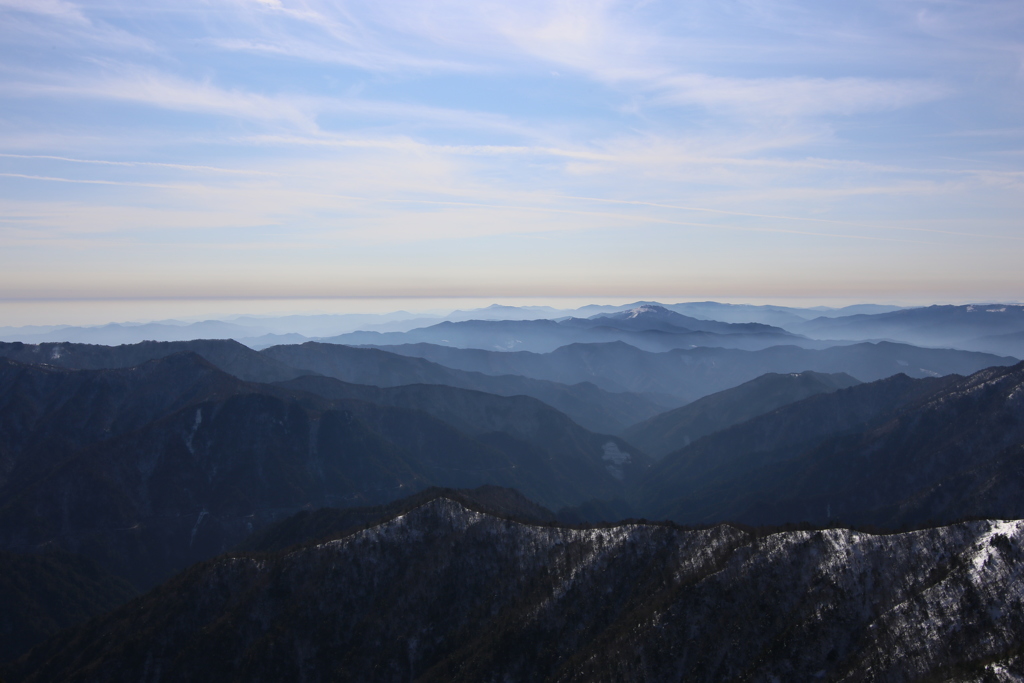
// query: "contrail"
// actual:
[[183, 167]]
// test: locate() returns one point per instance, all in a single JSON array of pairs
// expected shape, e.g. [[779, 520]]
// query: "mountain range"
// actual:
[[677, 428], [444, 592], [651, 328], [587, 404], [897, 452], [420, 511], [259, 331], [975, 327], [689, 374], [584, 401], [960, 327], [148, 469], [230, 356]]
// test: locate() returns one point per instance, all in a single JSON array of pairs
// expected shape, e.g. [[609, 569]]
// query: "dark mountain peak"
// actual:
[[178, 360], [177, 369], [650, 327], [898, 451], [452, 511], [678, 428], [653, 317], [228, 355], [597, 409], [599, 347], [326, 524], [495, 324], [496, 501], [324, 358], [304, 345], [195, 344]]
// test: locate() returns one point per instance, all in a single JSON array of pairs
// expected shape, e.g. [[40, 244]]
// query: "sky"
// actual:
[[391, 150]]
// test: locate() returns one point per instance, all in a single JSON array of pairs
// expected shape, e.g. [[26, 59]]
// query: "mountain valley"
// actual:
[[424, 511]]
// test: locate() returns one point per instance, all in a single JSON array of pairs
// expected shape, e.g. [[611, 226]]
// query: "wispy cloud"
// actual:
[[57, 9], [610, 42], [408, 140], [794, 96], [151, 87], [27, 22], [166, 91], [83, 181], [324, 32], [136, 164]]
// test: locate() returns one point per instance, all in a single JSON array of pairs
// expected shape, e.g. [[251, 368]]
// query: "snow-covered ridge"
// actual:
[[443, 585], [930, 578], [642, 310]]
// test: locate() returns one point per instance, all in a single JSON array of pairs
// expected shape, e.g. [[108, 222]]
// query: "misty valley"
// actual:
[[647, 492]]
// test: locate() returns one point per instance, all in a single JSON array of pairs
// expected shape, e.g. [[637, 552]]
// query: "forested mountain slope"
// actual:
[[445, 593], [590, 406], [677, 428], [230, 356], [149, 469], [894, 452]]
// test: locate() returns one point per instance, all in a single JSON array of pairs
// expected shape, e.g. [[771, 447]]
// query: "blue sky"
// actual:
[[512, 150]]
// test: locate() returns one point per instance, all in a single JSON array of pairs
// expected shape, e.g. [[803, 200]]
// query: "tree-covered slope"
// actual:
[[677, 428], [149, 469], [446, 593], [894, 452]]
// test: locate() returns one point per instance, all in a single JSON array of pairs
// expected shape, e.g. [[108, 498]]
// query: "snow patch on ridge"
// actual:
[[983, 548], [615, 459], [195, 528], [192, 434], [640, 310]]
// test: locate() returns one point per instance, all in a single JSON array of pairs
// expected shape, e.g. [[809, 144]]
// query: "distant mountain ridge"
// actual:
[[591, 406], [541, 328], [148, 469], [363, 513], [257, 329], [890, 453], [950, 326], [677, 428], [652, 329], [654, 317], [230, 356], [1009, 344], [690, 374], [494, 420]]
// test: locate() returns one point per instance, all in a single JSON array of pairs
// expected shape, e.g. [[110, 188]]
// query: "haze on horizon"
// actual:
[[598, 149]]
